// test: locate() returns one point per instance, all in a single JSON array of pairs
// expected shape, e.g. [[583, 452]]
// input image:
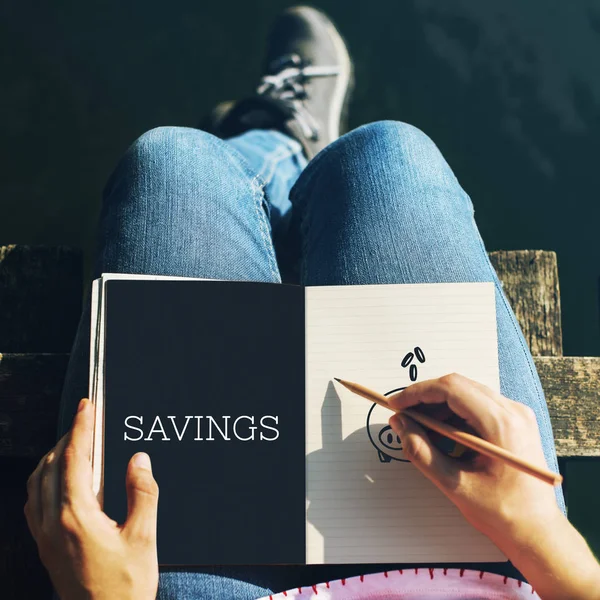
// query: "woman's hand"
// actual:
[[87, 554], [516, 511], [493, 496]]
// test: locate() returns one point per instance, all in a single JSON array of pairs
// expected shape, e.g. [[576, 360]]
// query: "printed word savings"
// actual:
[[243, 428]]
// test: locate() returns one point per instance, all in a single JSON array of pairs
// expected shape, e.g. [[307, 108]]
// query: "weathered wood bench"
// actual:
[[40, 303]]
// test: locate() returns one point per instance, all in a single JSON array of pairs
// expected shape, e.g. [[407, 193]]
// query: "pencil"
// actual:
[[462, 437]]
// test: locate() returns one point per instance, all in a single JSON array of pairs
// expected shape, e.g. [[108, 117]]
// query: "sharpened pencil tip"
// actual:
[[338, 379]]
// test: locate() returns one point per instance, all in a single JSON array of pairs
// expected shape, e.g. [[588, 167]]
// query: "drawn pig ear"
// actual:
[[419, 354]]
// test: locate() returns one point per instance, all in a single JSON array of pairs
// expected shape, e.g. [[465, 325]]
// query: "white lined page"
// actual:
[[360, 509]]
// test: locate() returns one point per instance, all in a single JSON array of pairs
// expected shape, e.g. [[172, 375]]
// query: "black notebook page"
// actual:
[[200, 349]]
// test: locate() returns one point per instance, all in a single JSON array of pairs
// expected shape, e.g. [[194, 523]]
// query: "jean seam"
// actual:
[[257, 185], [294, 147], [263, 225], [264, 176], [284, 145], [271, 161], [239, 160]]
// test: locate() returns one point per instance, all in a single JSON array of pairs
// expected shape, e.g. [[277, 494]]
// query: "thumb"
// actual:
[[142, 500], [420, 450]]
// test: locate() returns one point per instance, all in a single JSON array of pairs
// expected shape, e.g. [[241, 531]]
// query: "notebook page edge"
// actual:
[[313, 294]]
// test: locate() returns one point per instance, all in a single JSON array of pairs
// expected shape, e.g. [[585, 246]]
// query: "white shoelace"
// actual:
[[288, 86]]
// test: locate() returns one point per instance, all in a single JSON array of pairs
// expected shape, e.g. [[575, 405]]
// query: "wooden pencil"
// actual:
[[462, 437]]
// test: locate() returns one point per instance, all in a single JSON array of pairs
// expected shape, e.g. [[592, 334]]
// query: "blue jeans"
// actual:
[[379, 205]]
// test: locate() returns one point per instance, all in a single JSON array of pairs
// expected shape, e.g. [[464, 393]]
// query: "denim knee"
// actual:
[[171, 139], [183, 202], [395, 145], [166, 154], [401, 139], [389, 156]]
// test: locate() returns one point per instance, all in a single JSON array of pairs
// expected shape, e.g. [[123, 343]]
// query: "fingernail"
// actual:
[[142, 460], [82, 404]]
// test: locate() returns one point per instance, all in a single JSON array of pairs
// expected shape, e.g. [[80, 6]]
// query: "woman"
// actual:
[[275, 193]]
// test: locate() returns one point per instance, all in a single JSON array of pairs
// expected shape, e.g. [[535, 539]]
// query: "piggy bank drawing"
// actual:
[[387, 443]]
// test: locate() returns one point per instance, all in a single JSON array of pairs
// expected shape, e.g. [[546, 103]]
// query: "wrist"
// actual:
[[554, 558], [530, 531], [511, 527]]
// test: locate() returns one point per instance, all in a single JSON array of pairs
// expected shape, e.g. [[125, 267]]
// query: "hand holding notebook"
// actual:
[[87, 554]]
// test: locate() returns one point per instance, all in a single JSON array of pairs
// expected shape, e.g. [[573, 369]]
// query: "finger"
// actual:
[[422, 453], [469, 402], [33, 506], [142, 500], [50, 484], [441, 412], [75, 460]]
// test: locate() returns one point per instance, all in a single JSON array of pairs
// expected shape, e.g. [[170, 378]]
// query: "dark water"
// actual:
[[509, 90]]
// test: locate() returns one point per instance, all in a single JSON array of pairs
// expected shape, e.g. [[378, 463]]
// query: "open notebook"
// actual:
[[260, 456]]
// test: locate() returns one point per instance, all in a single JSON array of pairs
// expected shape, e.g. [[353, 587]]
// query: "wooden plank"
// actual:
[[530, 282], [572, 389], [40, 298], [30, 388], [41, 290]]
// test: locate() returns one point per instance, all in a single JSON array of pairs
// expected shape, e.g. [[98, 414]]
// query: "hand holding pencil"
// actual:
[[463, 438], [491, 493]]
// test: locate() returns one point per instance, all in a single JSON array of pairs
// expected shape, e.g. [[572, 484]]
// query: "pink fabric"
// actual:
[[416, 584]]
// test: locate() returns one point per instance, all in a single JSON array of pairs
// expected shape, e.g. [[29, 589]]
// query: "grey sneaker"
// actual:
[[306, 87]]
